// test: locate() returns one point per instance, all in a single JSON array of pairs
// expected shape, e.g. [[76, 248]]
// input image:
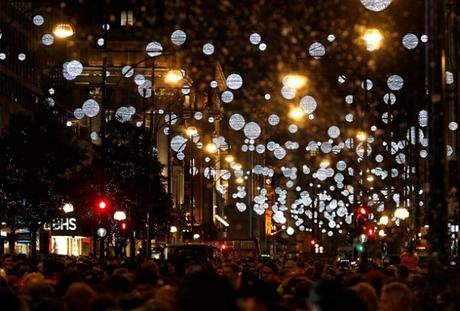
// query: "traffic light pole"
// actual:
[[435, 75]]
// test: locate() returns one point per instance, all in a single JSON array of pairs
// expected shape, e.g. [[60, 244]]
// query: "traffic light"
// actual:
[[370, 232], [312, 242], [361, 219], [362, 210], [102, 205], [123, 225], [359, 248]]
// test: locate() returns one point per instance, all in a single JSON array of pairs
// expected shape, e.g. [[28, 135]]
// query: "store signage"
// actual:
[[64, 224]]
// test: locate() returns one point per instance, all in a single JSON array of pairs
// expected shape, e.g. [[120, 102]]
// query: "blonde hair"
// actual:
[[396, 296], [368, 295]]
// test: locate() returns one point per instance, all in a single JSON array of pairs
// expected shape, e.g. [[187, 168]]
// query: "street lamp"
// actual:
[[211, 148], [119, 216], [63, 30], [68, 208], [325, 163], [373, 38], [229, 158], [401, 213], [361, 136], [295, 81], [191, 131], [296, 113], [239, 180], [174, 76], [384, 220]]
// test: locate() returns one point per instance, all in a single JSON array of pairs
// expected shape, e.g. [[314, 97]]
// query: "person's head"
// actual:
[[230, 271], [78, 297], [10, 301], [103, 303], [396, 296], [403, 272], [205, 290], [267, 272], [331, 296], [368, 295], [8, 262]]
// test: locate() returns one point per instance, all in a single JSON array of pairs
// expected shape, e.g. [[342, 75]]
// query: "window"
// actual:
[[126, 18]]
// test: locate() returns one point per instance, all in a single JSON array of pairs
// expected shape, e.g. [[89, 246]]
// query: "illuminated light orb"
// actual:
[[38, 20], [127, 72], [255, 38], [389, 99], [376, 5], [236, 122], [90, 107], [367, 85], [349, 99], [47, 39], [317, 50], [139, 79], [288, 92], [252, 130], [178, 37], [453, 126], [423, 118], [333, 132], [395, 82], [234, 81], [449, 78], [240, 206], [154, 49], [208, 49], [273, 120], [198, 115], [227, 97], [308, 104], [410, 41], [74, 68]]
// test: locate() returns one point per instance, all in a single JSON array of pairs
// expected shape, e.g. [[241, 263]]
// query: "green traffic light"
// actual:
[[360, 248]]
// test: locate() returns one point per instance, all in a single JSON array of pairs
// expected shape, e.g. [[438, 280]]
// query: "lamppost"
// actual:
[[373, 40], [191, 132]]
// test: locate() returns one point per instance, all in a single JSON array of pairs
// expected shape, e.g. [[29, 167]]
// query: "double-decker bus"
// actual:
[[239, 248]]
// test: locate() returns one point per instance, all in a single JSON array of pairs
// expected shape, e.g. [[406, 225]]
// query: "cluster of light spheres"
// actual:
[[318, 191]]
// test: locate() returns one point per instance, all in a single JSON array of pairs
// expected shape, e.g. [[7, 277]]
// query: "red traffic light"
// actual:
[[102, 204], [312, 242], [370, 232], [123, 226], [362, 210]]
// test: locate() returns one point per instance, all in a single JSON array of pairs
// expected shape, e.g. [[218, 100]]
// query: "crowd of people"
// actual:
[[248, 284]]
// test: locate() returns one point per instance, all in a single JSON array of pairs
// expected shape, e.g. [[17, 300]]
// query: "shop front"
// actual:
[[69, 236]]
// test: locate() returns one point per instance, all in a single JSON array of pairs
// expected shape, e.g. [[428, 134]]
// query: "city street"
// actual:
[[229, 155]]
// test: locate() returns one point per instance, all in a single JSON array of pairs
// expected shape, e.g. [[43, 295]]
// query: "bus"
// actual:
[[239, 248]]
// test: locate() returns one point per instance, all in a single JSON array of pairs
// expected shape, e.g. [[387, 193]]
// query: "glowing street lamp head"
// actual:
[[373, 38], [370, 178], [401, 213], [191, 131], [384, 220], [361, 136], [173, 76], [295, 81], [296, 113], [229, 158], [211, 148], [119, 215], [325, 163], [239, 180], [63, 30]]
